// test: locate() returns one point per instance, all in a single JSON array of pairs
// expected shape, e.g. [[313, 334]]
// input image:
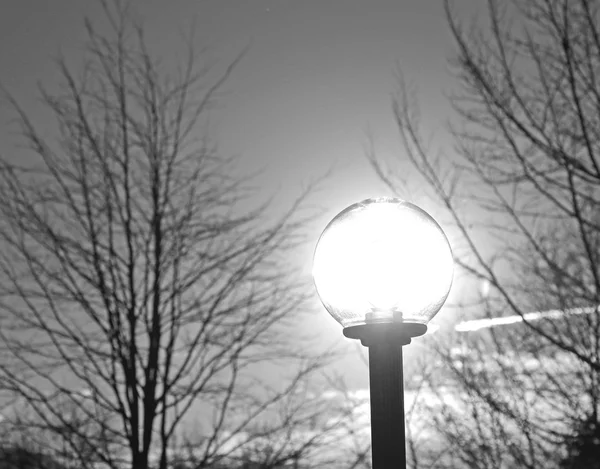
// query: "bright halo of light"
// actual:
[[383, 257]]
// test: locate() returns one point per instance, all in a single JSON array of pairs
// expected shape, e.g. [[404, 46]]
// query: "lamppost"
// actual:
[[383, 268]]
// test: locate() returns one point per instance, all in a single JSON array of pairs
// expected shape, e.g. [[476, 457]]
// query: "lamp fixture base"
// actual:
[[399, 332]]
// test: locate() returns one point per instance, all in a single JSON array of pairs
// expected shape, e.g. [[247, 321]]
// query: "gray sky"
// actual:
[[318, 74]]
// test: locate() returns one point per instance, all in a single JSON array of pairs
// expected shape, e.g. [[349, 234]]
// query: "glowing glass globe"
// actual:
[[383, 260]]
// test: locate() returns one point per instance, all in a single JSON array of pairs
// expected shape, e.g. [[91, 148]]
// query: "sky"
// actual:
[[318, 75], [316, 81]]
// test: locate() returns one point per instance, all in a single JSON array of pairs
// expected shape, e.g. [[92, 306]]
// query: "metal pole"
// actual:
[[387, 404]]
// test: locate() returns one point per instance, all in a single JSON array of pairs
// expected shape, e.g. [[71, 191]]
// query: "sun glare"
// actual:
[[383, 256]]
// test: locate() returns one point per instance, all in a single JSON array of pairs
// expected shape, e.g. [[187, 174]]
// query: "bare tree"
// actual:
[[142, 280], [24, 457], [521, 195]]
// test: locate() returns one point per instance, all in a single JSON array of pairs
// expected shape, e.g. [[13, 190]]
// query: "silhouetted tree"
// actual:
[[584, 447], [142, 278], [520, 195], [308, 430], [23, 457]]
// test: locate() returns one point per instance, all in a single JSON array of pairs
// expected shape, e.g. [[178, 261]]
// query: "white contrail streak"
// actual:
[[477, 324]]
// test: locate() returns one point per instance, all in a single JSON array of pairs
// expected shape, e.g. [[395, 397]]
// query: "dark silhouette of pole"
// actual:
[[386, 379], [387, 404]]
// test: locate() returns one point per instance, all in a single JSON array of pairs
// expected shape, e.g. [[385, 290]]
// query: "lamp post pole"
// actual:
[[386, 383], [387, 405]]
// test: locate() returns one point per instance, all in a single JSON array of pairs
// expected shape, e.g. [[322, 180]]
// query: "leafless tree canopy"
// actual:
[[521, 192], [140, 285]]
